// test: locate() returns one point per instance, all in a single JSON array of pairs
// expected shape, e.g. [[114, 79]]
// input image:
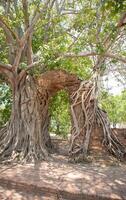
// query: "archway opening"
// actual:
[[60, 122]]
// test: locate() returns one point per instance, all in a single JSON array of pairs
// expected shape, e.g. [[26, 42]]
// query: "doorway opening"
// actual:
[[60, 122]]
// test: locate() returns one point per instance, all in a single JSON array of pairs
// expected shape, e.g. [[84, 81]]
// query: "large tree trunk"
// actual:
[[26, 136]]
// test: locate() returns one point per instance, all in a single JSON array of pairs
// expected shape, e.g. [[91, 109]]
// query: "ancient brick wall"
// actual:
[[97, 137]]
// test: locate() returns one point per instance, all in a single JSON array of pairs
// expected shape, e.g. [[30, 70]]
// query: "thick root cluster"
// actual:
[[82, 112], [110, 140], [85, 114]]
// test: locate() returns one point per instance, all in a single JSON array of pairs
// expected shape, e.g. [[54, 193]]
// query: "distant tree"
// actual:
[[115, 107]]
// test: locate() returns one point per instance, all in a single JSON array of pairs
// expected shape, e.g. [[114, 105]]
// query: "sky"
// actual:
[[113, 85]]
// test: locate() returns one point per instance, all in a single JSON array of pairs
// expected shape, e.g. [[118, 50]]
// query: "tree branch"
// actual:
[[8, 30], [116, 57], [8, 34], [108, 43], [26, 35], [32, 65], [122, 21], [7, 70], [34, 21], [29, 67], [5, 67], [29, 42], [88, 54]]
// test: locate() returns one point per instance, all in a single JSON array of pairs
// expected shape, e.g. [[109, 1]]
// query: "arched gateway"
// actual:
[[85, 114], [26, 135]]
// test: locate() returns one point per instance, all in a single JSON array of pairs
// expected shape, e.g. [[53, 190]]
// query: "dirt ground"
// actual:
[[102, 177], [97, 156]]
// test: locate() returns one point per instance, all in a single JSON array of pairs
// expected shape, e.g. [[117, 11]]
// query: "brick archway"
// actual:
[[85, 113]]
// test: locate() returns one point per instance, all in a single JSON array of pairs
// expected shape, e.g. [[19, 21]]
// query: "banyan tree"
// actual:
[[26, 135]]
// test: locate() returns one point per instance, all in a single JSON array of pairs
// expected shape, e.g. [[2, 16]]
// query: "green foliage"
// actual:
[[114, 5], [3, 47], [115, 106], [5, 103], [60, 114]]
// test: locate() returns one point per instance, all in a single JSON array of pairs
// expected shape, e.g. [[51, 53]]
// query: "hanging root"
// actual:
[[85, 114], [110, 140]]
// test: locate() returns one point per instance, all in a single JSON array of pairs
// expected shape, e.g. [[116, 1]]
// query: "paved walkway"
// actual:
[[58, 180]]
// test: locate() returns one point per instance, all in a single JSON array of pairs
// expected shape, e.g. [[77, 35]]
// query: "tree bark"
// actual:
[[83, 115], [25, 137]]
